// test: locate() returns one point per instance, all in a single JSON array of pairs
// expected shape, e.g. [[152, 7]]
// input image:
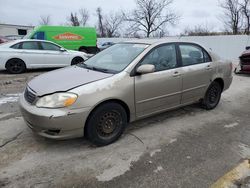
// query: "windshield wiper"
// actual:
[[97, 68], [83, 65], [103, 70]]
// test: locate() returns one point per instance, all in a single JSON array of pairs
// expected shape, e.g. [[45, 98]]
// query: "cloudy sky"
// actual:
[[28, 12]]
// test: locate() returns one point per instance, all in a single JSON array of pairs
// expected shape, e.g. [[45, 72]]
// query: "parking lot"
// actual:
[[188, 147]]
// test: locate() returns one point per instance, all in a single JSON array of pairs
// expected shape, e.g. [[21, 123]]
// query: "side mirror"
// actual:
[[145, 69], [62, 50]]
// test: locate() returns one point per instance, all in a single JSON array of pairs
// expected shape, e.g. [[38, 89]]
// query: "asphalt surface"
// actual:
[[187, 147]]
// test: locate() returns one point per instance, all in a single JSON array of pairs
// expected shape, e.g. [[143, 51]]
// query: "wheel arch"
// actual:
[[220, 81], [76, 57], [9, 59], [118, 101]]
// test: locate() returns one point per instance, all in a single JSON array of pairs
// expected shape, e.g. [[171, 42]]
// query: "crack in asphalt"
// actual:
[[10, 140], [136, 137]]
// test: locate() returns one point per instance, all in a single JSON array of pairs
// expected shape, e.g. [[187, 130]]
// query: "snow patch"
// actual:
[[9, 98], [152, 153], [159, 168], [232, 125]]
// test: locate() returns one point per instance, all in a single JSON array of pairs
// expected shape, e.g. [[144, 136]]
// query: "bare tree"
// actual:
[[232, 15], [112, 23], [151, 16], [100, 26], [44, 20], [73, 19], [245, 8], [84, 16]]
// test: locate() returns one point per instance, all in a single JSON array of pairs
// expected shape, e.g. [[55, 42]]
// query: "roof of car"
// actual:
[[158, 41], [36, 40]]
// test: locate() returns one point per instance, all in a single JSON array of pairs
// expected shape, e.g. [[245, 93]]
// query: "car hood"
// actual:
[[64, 79]]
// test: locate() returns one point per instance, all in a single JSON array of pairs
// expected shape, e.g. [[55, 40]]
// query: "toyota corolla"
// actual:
[[127, 82]]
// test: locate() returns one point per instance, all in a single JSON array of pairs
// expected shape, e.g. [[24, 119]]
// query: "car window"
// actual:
[[16, 46], [30, 46], [39, 35], [207, 57], [192, 54], [50, 46], [163, 58]]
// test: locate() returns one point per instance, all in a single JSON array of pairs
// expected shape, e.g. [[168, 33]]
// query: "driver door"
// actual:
[[160, 90]]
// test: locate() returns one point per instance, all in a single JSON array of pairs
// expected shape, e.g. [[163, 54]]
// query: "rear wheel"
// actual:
[[77, 60], [106, 124], [15, 66], [212, 96]]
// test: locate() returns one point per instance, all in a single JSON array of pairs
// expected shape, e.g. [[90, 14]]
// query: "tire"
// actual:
[[106, 124], [15, 66], [212, 96], [77, 60]]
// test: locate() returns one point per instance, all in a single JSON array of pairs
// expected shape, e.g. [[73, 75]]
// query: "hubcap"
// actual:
[[109, 124], [213, 95], [16, 66]]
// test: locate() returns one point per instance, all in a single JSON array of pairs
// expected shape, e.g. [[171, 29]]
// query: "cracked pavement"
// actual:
[[187, 147]]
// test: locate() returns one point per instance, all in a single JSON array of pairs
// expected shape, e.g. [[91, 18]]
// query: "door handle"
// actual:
[[176, 74], [209, 67]]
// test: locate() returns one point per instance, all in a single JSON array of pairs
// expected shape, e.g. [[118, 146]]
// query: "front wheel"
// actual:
[[77, 60], [212, 96], [106, 124]]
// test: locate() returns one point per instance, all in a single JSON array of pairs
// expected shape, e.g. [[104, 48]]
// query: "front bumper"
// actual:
[[57, 124]]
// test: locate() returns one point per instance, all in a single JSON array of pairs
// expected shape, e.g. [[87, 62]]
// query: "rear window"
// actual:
[[16, 46]]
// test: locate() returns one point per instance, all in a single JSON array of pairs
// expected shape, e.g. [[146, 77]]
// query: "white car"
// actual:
[[17, 56]]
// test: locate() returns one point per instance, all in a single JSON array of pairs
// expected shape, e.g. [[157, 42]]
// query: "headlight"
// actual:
[[57, 100]]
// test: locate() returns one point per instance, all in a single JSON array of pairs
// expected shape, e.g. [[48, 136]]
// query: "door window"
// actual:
[[192, 54], [163, 58], [30, 46], [50, 46]]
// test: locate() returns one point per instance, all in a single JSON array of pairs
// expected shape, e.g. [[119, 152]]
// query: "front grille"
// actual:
[[29, 96]]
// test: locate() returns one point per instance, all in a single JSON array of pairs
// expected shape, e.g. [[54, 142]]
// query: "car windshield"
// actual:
[[116, 58]]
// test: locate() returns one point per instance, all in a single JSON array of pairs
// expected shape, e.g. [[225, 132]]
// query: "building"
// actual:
[[8, 30]]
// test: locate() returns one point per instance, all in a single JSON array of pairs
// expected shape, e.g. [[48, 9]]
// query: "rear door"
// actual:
[[30, 52], [54, 56], [197, 71], [160, 90]]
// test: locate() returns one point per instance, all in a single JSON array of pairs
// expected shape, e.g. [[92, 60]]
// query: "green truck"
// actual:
[[72, 38]]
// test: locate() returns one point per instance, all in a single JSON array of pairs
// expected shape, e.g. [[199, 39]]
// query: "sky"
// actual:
[[27, 12]]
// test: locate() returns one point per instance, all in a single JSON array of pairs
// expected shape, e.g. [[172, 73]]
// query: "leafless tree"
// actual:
[[73, 19], [84, 16], [245, 8], [232, 15], [44, 20], [100, 25], [112, 24], [151, 16]]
